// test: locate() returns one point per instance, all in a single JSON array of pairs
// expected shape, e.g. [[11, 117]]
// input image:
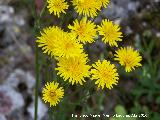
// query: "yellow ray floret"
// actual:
[[73, 69], [105, 3], [129, 58], [105, 73], [56, 42], [84, 30], [110, 32], [52, 94], [49, 37], [57, 6], [68, 46], [87, 7]]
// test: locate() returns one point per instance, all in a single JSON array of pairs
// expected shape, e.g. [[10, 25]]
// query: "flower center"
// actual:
[[74, 69], [106, 75], [81, 30], [68, 45], [128, 61], [59, 5], [52, 94], [110, 33]]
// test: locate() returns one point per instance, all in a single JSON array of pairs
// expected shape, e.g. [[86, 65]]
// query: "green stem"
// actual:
[[37, 83], [37, 65], [43, 10], [36, 28]]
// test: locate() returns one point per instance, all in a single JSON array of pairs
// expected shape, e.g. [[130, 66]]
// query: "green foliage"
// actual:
[[146, 92], [148, 77], [120, 110]]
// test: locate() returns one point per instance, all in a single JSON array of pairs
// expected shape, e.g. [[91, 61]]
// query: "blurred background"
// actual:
[[137, 92]]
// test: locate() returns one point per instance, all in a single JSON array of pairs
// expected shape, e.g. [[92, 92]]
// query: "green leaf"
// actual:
[[120, 110], [158, 100]]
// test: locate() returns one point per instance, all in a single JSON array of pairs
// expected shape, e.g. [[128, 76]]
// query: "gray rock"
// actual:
[[2, 117], [20, 76], [128, 30], [5, 14], [10, 99], [10, 24], [4, 1], [42, 109], [120, 9], [132, 6]]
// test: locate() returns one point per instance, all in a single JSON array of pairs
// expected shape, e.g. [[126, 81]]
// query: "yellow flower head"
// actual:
[[57, 6], [105, 3], [49, 37], [55, 41], [52, 94], [67, 46], [105, 73], [129, 58], [87, 7], [85, 30], [73, 69], [110, 32]]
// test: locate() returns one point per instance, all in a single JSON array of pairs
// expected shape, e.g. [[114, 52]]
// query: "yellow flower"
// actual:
[[56, 42], [85, 30], [129, 58], [73, 69], [87, 7], [105, 3], [52, 94], [49, 37], [67, 46], [57, 6], [105, 73], [110, 32]]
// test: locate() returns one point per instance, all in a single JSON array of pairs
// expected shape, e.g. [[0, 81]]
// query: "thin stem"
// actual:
[[37, 83], [43, 10], [37, 65], [36, 27]]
